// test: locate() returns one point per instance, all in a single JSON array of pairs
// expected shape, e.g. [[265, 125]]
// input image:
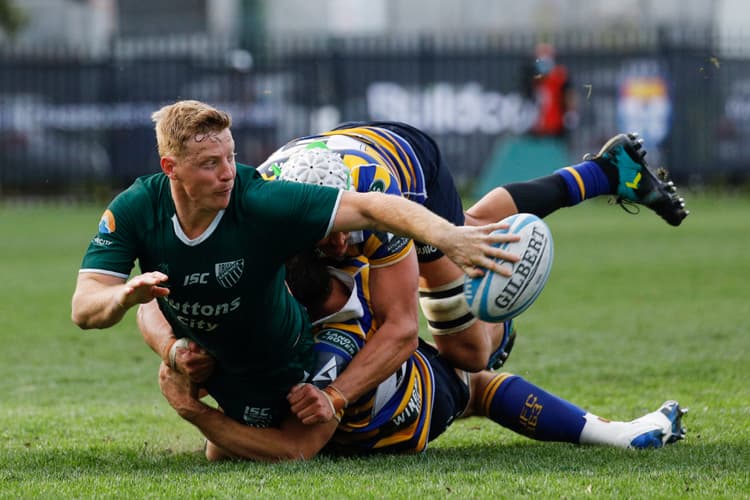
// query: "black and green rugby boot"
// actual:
[[624, 153]]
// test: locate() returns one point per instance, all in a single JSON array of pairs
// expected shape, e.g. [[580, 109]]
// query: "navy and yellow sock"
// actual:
[[565, 187], [522, 407], [587, 180]]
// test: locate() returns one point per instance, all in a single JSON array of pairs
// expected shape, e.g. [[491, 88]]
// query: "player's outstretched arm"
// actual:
[[101, 300], [469, 247], [229, 438]]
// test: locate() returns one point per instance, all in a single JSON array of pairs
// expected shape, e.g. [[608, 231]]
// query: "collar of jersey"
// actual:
[[204, 235], [353, 307]]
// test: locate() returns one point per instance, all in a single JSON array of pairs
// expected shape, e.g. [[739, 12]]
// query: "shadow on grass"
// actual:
[[517, 458]]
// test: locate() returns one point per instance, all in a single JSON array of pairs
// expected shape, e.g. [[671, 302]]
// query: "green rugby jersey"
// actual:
[[227, 289]]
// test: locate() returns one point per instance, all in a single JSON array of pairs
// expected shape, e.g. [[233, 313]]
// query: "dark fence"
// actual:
[[71, 121]]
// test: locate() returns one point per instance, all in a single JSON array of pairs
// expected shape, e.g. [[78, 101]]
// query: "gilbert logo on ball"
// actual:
[[497, 298]]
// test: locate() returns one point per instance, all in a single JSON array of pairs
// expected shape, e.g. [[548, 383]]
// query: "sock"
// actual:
[[540, 196], [531, 411], [587, 180], [601, 431]]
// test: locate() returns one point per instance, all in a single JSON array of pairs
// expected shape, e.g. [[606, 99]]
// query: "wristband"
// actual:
[[172, 356], [333, 408], [338, 400]]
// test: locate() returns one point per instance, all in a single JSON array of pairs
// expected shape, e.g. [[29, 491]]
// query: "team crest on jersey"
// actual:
[[228, 274], [107, 223]]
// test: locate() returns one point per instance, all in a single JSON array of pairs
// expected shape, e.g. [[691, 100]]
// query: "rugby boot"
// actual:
[[636, 182], [658, 428], [498, 358]]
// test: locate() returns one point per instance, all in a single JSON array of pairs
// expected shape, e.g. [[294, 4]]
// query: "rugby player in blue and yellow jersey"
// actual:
[[396, 158], [211, 237], [410, 408]]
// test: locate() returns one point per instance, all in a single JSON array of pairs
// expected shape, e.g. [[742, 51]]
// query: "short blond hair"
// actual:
[[178, 122]]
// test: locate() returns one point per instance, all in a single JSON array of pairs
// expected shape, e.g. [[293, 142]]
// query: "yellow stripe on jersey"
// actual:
[[398, 160], [407, 433], [428, 389], [393, 258], [382, 138]]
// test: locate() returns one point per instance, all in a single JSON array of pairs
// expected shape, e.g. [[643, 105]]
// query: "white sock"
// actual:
[[600, 431]]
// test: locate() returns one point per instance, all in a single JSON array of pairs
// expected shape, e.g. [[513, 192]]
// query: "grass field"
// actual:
[[635, 312]]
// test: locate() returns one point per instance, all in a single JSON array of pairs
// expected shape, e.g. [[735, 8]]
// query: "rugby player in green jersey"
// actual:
[[413, 406], [210, 238]]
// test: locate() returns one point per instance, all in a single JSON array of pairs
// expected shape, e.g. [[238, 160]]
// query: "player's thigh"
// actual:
[[438, 273]]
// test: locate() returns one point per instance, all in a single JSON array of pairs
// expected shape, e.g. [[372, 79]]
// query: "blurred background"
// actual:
[[509, 89]]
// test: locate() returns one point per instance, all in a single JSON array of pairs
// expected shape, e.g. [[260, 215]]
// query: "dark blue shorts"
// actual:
[[451, 392]]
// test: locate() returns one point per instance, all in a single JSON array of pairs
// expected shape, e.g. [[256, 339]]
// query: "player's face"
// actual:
[[206, 172], [334, 245]]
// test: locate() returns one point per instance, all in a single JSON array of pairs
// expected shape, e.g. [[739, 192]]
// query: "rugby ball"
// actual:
[[495, 298]]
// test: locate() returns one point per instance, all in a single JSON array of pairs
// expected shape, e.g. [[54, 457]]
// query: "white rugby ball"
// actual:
[[495, 298]]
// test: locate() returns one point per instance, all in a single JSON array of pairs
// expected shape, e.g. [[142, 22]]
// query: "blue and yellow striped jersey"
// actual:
[[395, 417], [364, 146], [379, 160]]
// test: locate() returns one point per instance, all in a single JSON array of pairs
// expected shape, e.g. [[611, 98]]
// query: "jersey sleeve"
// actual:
[[381, 248], [334, 350], [113, 249], [298, 215]]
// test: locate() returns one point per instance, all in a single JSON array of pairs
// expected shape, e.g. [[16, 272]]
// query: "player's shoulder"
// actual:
[[145, 190], [247, 173]]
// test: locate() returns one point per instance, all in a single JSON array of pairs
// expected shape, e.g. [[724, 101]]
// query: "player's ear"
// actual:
[[167, 166]]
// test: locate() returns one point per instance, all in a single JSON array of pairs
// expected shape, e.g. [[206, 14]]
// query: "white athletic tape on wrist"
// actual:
[[445, 308], [182, 343], [333, 406]]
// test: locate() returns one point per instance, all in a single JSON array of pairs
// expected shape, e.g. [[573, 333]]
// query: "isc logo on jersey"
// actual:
[[257, 416], [497, 298]]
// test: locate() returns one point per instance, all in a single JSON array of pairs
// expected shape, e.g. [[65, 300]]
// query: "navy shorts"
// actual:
[[442, 195], [451, 392]]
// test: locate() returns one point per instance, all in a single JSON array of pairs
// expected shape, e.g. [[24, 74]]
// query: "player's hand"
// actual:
[[471, 247], [143, 288], [310, 404], [194, 362], [179, 391]]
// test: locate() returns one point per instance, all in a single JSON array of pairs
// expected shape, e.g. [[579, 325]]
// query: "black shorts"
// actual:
[[442, 195], [245, 400], [451, 391], [258, 398]]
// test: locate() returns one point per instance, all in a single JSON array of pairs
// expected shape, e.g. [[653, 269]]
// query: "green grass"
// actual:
[[635, 313]]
